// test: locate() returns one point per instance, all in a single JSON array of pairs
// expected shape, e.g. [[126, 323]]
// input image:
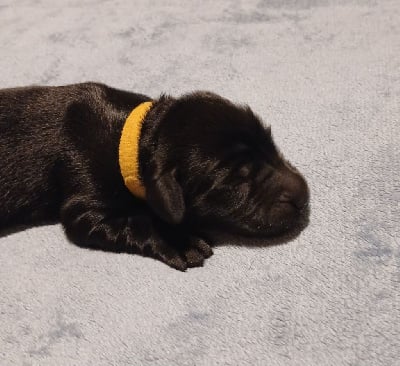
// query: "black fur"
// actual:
[[205, 162]]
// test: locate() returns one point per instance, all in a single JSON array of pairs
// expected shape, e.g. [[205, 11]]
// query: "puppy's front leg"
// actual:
[[89, 222]]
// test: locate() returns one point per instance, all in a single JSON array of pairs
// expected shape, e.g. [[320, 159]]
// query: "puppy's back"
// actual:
[[38, 126], [28, 135], [31, 121]]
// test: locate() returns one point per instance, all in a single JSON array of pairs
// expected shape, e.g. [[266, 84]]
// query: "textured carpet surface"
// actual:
[[326, 75]]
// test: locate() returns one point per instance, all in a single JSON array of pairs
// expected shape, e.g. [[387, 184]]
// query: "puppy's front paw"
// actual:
[[196, 252], [176, 262], [168, 255]]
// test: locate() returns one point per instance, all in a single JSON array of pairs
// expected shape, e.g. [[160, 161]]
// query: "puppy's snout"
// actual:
[[294, 190]]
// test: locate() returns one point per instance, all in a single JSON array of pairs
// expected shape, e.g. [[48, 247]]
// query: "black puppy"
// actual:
[[202, 163]]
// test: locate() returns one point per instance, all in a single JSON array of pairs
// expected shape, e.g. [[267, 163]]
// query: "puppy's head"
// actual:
[[212, 164]]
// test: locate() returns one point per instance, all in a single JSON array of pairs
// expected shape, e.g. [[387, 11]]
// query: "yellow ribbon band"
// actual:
[[129, 150]]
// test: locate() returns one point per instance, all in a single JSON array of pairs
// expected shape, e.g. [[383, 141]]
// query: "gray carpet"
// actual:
[[326, 75]]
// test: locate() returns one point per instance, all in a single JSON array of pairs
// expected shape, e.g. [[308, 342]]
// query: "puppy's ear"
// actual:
[[164, 195]]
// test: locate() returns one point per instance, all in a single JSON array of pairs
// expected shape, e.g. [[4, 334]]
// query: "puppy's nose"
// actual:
[[295, 191]]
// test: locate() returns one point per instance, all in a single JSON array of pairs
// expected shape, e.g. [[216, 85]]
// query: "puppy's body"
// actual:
[[59, 160], [51, 136]]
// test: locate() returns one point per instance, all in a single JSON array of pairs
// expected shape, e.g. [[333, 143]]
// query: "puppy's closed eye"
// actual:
[[244, 171], [240, 148]]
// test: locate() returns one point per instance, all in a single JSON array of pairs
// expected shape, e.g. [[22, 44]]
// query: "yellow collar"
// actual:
[[129, 150]]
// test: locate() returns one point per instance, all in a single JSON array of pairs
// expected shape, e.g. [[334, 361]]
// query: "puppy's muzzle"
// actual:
[[294, 190]]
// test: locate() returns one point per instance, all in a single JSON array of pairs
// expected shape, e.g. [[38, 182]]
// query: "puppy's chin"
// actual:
[[281, 221], [276, 235]]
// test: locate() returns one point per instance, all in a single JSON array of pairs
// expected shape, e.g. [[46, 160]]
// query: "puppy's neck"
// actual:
[[129, 150]]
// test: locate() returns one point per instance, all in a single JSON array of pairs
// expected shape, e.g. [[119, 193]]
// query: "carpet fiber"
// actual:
[[326, 75]]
